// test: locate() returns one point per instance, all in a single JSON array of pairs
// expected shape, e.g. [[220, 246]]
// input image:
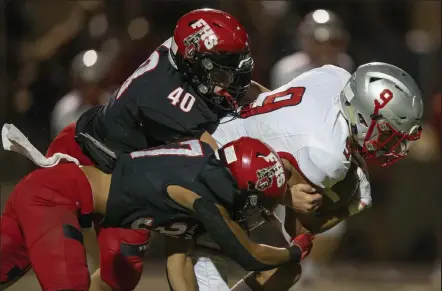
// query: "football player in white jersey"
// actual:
[[323, 124]]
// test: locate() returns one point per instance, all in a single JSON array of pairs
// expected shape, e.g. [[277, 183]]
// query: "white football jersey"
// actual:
[[302, 122]]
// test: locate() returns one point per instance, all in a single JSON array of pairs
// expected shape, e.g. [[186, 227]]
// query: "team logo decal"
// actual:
[[192, 43], [205, 34], [265, 178], [265, 175]]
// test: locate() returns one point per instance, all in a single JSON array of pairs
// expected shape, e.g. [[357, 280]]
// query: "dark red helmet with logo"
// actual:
[[211, 49], [255, 166]]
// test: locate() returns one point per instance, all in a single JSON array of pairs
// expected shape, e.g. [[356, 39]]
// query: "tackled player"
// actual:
[[323, 124]]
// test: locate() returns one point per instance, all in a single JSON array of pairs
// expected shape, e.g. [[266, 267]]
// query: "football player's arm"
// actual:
[[231, 237], [318, 169], [301, 194], [180, 271], [207, 138]]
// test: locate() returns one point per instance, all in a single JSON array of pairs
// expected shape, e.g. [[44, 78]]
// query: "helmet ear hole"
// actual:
[[216, 24], [250, 186], [373, 79], [362, 120]]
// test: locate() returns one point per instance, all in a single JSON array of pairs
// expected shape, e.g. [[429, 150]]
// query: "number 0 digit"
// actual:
[[290, 97]]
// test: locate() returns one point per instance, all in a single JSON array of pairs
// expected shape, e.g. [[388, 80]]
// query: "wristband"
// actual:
[[295, 253]]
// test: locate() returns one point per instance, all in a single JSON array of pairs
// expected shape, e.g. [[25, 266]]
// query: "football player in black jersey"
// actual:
[[180, 190], [181, 91]]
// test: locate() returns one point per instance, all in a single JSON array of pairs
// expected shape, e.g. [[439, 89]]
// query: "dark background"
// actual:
[[39, 39]]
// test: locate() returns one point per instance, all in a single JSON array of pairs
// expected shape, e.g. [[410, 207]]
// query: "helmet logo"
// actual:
[[192, 43], [206, 34], [265, 179], [265, 175]]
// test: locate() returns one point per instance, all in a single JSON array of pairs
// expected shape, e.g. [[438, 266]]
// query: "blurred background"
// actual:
[[57, 58]]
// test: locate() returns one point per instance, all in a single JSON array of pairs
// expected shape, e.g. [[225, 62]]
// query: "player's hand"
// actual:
[[305, 242], [305, 198]]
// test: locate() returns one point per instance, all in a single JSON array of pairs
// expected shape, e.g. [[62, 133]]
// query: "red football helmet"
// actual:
[[211, 49], [257, 169]]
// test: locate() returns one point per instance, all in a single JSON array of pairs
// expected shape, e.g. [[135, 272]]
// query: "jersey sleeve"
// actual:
[[321, 168]]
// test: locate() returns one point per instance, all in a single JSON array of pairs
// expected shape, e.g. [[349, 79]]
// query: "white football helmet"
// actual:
[[384, 107]]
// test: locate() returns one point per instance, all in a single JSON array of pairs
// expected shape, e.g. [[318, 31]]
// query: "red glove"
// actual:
[[304, 241]]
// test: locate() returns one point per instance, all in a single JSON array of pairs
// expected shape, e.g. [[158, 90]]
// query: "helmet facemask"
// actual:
[[256, 207], [385, 144], [221, 78], [223, 85]]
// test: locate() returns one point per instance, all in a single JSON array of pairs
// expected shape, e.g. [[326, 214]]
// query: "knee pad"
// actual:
[[122, 270], [123, 275], [121, 252]]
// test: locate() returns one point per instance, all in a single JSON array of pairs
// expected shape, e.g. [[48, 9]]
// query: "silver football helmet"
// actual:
[[384, 107]]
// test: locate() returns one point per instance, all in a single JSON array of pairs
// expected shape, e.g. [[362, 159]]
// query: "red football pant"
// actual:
[[40, 227], [121, 250]]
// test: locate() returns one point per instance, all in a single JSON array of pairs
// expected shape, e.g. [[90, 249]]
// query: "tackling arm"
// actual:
[[301, 194], [208, 139], [231, 237]]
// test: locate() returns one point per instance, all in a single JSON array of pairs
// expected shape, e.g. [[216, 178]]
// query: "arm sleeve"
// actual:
[[216, 226]]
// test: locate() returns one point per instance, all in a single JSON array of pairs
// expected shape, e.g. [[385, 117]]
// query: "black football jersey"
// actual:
[[153, 107], [138, 194]]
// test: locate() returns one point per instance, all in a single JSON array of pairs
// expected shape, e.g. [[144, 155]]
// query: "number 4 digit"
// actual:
[[186, 103]]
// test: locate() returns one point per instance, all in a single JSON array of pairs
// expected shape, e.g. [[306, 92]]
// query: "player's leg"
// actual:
[[13, 254], [48, 218], [121, 253], [210, 267], [46, 204], [65, 143], [210, 271], [56, 251]]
